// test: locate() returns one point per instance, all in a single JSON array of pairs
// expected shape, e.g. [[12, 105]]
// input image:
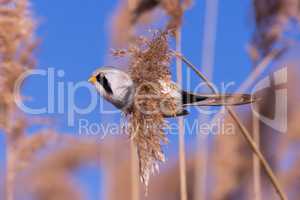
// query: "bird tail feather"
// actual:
[[221, 100]]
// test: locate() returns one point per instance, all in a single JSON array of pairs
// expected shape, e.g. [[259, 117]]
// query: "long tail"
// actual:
[[190, 99]]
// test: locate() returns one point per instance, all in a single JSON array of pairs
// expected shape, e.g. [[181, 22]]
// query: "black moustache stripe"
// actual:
[[104, 82]]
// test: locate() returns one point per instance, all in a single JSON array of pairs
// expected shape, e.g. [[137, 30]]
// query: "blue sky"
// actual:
[[75, 38]]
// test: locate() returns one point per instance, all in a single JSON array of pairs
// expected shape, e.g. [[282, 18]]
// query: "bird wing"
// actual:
[[173, 91]]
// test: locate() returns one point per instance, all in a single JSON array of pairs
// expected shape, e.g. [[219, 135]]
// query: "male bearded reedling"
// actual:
[[119, 89]]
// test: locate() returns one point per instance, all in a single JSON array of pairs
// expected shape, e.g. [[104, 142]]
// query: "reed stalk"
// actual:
[[256, 164], [182, 160], [133, 151]]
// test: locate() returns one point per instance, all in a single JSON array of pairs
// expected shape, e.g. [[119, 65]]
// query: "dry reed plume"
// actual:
[[149, 65], [51, 177], [271, 16], [17, 43], [174, 9], [127, 17], [16, 46]]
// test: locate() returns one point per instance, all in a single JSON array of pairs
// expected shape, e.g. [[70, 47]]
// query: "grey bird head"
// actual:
[[114, 85]]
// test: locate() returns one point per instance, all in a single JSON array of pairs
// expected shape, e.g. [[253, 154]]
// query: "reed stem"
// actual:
[[182, 160], [256, 164]]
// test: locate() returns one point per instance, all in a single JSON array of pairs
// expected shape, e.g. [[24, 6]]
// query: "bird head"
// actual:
[[103, 79], [114, 85]]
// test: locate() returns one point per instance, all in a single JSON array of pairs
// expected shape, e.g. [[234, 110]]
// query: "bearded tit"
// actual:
[[118, 88]]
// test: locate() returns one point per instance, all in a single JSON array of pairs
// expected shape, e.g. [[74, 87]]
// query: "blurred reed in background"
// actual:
[[29, 175]]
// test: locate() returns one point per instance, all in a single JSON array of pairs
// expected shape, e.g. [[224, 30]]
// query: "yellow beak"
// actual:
[[93, 80]]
